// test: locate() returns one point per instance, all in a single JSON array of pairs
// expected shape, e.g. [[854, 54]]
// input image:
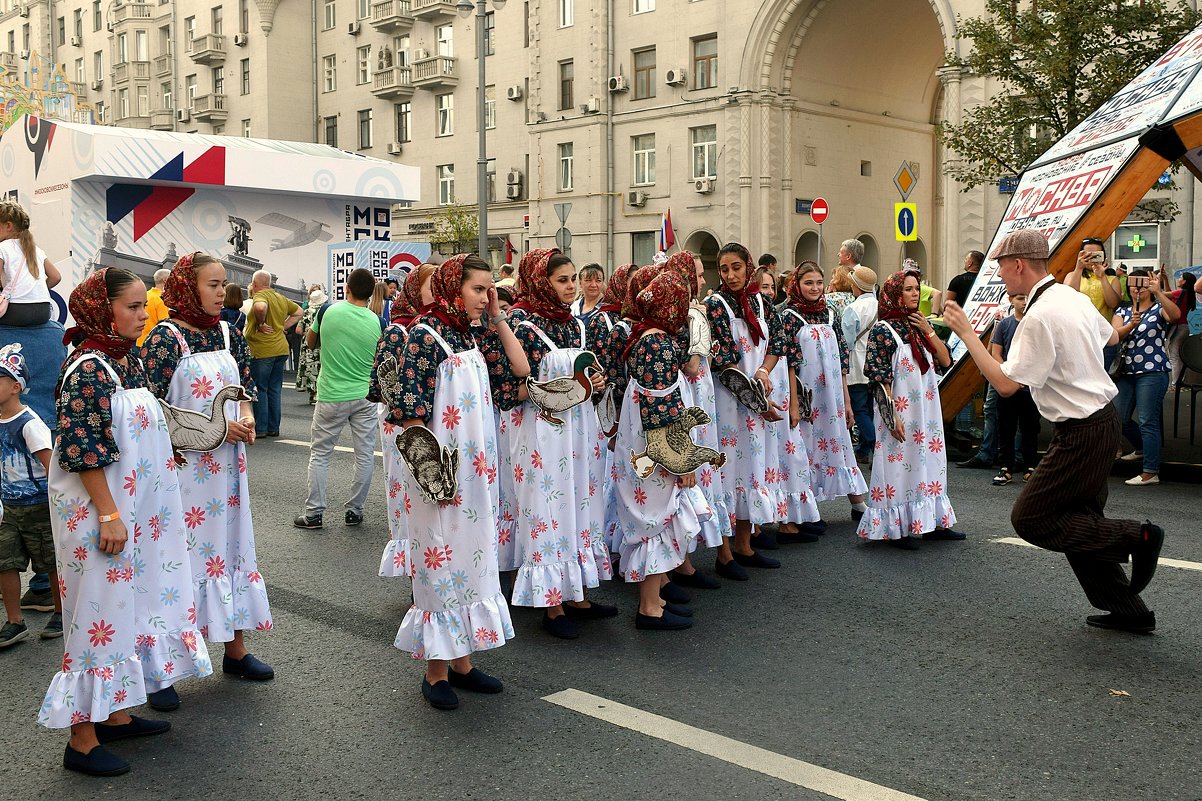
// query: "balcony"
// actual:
[[133, 11], [9, 60], [208, 49], [125, 70], [133, 122], [79, 89], [162, 119], [435, 72], [209, 108], [391, 16], [394, 82], [433, 10], [162, 64]]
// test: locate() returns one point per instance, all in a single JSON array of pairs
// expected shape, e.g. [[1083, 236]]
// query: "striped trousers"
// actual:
[[1062, 509]]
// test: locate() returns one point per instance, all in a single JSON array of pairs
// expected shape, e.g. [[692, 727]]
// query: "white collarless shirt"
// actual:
[[1057, 352]]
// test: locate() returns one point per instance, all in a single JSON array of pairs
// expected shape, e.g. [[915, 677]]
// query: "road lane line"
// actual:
[[769, 763], [341, 448], [1180, 563]]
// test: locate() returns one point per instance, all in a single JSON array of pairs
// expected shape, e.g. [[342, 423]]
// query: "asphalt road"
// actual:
[[960, 671]]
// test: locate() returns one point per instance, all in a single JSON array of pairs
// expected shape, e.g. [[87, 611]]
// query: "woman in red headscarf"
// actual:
[[458, 608], [189, 358], [907, 498], [608, 314], [558, 468], [119, 534], [747, 335]]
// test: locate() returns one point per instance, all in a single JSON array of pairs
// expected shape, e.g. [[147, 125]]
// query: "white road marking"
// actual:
[[788, 769], [342, 448], [1181, 563]]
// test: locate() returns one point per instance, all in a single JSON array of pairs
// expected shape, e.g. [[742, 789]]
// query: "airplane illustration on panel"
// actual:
[[302, 233]]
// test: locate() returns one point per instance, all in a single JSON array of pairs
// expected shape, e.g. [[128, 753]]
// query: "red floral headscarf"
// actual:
[[684, 264], [446, 285], [540, 297], [408, 302], [525, 280], [891, 307], [742, 298], [615, 290], [640, 279], [796, 299], [182, 298], [93, 313], [664, 304]]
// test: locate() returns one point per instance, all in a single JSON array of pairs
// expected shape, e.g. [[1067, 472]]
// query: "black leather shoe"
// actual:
[[905, 544], [766, 540], [440, 695], [794, 537], [755, 559], [974, 463], [1145, 556], [561, 627], [248, 667], [815, 526], [674, 594], [678, 609], [594, 611], [944, 534], [137, 727], [475, 680], [731, 570], [164, 700], [696, 580], [97, 762], [668, 622], [1136, 624]]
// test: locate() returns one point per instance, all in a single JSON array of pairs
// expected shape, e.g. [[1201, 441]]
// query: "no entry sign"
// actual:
[[819, 210]]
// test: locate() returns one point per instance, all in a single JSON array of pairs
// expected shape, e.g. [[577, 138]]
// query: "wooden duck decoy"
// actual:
[[194, 431], [673, 449], [560, 394]]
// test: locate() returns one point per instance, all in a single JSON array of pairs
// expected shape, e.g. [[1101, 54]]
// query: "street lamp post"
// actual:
[[465, 8]]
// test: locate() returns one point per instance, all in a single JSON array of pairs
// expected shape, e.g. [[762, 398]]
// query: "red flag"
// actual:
[[509, 251], [667, 237]]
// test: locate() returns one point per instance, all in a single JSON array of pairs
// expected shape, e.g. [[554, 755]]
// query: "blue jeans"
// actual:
[[1143, 394], [861, 408], [988, 451], [268, 374]]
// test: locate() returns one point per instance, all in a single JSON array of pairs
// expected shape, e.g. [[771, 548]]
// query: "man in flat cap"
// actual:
[[1057, 353]]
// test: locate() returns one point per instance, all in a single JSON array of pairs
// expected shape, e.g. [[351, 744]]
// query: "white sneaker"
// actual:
[[1140, 481], [1134, 456]]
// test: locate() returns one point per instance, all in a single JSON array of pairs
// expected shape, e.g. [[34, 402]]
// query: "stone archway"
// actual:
[[704, 244], [916, 250], [807, 248], [872, 253]]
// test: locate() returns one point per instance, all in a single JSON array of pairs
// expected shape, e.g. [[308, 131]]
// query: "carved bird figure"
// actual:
[[194, 431], [560, 394], [607, 412], [672, 448], [435, 467], [387, 374]]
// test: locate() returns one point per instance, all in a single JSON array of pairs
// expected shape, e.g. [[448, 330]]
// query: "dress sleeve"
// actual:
[[778, 342], [241, 353], [417, 372], [85, 419], [501, 380], [392, 341], [653, 363], [725, 353], [878, 362], [160, 356], [790, 325], [844, 356], [534, 346]]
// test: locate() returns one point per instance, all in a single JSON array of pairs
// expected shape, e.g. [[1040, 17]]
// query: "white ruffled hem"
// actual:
[[908, 519], [544, 585], [757, 505], [800, 508], [845, 481], [231, 603], [93, 694], [453, 633], [394, 563]]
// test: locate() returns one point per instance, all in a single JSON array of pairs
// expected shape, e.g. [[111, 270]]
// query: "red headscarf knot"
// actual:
[[182, 297]]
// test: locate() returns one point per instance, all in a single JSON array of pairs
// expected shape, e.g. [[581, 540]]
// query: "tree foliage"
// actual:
[[1054, 62], [456, 228]]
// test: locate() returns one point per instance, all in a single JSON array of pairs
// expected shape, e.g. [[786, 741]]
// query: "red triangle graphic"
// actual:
[[162, 201], [208, 168]]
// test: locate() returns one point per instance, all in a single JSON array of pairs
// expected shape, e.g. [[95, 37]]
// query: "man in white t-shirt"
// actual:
[[858, 318], [1057, 353]]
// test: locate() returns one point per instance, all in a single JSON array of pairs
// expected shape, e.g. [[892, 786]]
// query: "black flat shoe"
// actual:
[[1145, 556], [678, 609], [669, 622], [137, 727], [944, 534], [594, 611], [475, 680], [767, 540], [674, 594], [755, 559], [97, 762], [731, 570], [440, 695], [856, 515], [164, 700], [905, 544], [696, 580], [248, 667], [1135, 624], [794, 537], [561, 627], [815, 526]]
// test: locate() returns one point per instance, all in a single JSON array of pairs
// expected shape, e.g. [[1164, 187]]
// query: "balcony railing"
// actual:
[[432, 9], [162, 119], [209, 108], [434, 72], [162, 64], [393, 82], [208, 49], [126, 70], [392, 16], [127, 11]]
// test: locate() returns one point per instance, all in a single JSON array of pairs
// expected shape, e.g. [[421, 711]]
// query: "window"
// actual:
[[404, 121], [25, 36], [705, 62], [101, 112], [77, 23], [444, 35], [364, 129], [143, 92], [329, 69], [165, 94], [566, 172], [331, 128], [705, 151], [644, 73], [243, 16], [165, 40], [189, 33], [190, 90], [331, 14], [97, 17], [122, 103], [643, 6], [446, 184], [526, 24], [490, 180], [216, 20], [244, 68], [62, 30], [364, 9], [141, 45], [80, 75], [246, 129], [218, 80], [490, 107], [567, 13], [219, 130], [122, 48], [644, 159], [643, 246], [12, 41], [97, 62], [446, 114], [363, 75], [401, 46], [490, 33], [566, 72]]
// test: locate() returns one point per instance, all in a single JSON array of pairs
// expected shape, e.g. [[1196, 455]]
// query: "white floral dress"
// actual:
[[394, 562], [908, 493], [129, 620], [457, 606], [698, 390]]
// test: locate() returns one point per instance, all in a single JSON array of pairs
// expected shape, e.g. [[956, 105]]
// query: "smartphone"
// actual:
[[1097, 257]]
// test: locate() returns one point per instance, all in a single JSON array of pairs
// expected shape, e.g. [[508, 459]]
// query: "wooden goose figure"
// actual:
[[672, 447], [561, 394], [193, 431]]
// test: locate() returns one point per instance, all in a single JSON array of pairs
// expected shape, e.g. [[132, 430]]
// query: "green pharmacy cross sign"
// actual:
[[1136, 242]]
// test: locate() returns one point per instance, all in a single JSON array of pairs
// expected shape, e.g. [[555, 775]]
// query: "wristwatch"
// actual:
[[494, 320]]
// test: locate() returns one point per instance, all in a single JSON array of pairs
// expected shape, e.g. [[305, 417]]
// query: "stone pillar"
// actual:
[[787, 229], [951, 245]]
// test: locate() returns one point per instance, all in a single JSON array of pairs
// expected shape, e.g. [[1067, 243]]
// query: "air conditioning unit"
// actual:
[[636, 198], [23, 11], [240, 39], [513, 192], [514, 177], [75, 41], [420, 53], [353, 28], [675, 77], [183, 115], [593, 106], [24, 55], [394, 148], [109, 26], [618, 84], [703, 186], [513, 93], [97, 84]]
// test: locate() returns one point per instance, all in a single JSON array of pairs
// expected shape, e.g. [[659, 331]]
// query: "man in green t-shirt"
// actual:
[[348, 333], [270, 313]]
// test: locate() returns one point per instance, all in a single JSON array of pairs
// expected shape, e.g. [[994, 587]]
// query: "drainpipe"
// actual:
[[609, 137], [316, 88]]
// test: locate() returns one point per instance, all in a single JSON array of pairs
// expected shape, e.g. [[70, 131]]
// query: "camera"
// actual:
[[1097, 257]]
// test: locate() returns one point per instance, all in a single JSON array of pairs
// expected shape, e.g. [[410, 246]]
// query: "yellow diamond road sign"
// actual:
[[905, 180]]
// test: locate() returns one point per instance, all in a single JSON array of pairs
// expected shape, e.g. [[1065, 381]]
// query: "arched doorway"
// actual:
[[916, 250], [705, 245], [806, 248], [872, 254]]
